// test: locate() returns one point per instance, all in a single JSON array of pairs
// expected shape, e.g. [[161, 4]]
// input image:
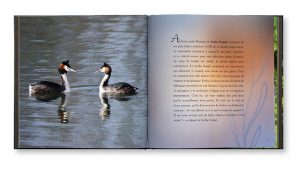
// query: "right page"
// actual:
[[211, 81]]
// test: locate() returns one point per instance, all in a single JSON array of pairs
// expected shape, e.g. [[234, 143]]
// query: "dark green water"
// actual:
[[79, 119]]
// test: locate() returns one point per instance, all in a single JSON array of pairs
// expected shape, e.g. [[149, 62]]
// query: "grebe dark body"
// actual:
[[46, 90]]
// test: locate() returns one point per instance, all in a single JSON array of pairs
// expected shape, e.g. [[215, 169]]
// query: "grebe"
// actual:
[[120, 88], [48, 90]]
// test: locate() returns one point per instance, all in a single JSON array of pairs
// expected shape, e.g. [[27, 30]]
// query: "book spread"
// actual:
[[162, 81]]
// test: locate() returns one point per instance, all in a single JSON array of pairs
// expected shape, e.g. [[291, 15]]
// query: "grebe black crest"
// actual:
[[46, 90], [120, 88]]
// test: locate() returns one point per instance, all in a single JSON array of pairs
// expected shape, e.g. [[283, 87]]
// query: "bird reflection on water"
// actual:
[[105, 110], [62, 108]]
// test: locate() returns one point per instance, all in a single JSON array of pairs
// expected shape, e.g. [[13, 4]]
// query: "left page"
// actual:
[[56, 107]]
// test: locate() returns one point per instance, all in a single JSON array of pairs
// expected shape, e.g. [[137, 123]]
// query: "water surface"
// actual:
[[81, 119]]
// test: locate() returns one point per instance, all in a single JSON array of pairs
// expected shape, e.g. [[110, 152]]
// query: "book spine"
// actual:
[[16, 81], [280, 80]]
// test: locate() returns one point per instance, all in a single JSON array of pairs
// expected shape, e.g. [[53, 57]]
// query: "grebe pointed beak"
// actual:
[[72, 70], [97, 71], [69, 69]]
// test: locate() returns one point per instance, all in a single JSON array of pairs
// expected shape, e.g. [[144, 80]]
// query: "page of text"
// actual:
[[211, 82]]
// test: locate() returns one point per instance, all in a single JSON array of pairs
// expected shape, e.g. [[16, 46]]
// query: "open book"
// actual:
[[165, 81]]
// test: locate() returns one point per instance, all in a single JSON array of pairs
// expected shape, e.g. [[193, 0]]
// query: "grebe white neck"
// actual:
[[65, 82], [104, 82]]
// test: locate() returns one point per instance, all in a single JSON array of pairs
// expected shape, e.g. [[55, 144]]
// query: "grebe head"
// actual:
[[64, 67], [105, 68]]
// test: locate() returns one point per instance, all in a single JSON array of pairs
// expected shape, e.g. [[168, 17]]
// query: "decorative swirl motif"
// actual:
[[246, 127], [256, 137], [260, 104]]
